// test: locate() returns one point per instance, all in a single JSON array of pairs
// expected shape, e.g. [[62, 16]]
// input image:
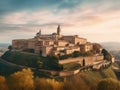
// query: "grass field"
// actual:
[[95, 76], [6, 70], [71, 66]]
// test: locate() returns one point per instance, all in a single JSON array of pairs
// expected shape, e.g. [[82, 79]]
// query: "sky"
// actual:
[[96, 20]]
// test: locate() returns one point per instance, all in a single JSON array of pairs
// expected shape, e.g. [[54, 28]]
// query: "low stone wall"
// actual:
[[88, 60], [62, 73], [66, 73], [76, 71], [69, 73]]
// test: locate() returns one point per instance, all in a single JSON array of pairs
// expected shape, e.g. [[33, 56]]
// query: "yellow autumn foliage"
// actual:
[[48, 84], [3, 85], [22, 80]]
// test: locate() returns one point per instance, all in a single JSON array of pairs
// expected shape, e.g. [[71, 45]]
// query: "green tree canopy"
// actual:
[[10, 47], [106, 54]]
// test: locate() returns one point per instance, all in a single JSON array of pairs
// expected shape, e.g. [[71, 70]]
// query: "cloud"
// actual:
[[92, 17], [80, 16], [26, 4]]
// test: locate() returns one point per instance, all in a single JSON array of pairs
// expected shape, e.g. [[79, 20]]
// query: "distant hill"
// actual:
[[111, 46], [3, 48], [3, 45]]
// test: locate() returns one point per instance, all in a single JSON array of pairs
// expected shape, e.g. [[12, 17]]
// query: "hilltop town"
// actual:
[[68, 54], [68, 48], [53, 44]]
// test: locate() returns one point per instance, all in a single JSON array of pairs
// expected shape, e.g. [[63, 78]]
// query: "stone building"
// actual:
[[75, 39], [86, 47], [53, 44], [20, 44]]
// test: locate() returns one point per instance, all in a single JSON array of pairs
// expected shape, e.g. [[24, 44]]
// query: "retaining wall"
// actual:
[[88, 60]]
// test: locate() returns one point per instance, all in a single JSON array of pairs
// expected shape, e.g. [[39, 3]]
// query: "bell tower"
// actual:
[[58, 30], [40, 32]]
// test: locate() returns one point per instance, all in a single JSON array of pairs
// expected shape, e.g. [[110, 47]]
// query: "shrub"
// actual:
[[76, 54], [29, 50]]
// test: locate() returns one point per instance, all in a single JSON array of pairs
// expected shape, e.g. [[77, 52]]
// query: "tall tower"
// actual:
[[40, 32], [58, 30]]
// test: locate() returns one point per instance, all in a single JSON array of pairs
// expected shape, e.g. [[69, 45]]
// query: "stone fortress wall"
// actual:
[[88, 60]]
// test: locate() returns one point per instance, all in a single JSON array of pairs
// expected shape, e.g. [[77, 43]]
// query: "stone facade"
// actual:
[[53, 44], [46, 50], [86, 47], [71, 50], [20, 44], [75, 39]]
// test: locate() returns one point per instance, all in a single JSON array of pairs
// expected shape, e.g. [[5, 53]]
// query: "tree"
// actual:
[[10, 47], [76, 54], [3, 85], [106, 54], [21, 80], [83, 62], [53, 63], [48, 84], [108, 84], [41, 84], [39, 62]]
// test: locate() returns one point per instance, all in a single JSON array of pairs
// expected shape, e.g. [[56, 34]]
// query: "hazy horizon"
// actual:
[[96, 20]]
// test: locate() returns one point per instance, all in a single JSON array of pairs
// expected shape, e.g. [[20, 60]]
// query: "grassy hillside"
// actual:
[[71, 66], [21, 58], [87, 80], [32, 60], [97, 75], [6, 70], [92, 78]]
